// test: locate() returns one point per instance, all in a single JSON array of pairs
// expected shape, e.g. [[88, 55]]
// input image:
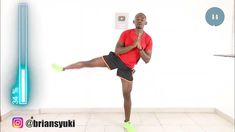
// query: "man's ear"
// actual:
[[146, 23], [134, 21]]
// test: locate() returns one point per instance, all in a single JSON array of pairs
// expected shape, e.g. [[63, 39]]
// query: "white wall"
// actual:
[[224, 78], [8, 49], [180, 74]]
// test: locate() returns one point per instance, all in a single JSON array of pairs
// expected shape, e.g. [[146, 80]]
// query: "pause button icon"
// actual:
[[214, 16]]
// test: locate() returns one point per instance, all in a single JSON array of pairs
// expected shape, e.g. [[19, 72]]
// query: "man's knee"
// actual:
[[127, 84], [126, 87], [127, 91], [127, 95]]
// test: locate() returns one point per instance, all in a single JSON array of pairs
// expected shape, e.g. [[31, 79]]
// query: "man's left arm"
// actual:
[[145, 55]]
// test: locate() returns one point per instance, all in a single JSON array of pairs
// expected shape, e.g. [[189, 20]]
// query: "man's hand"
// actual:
[[139, 45], [145, 55], [138, 40], [121, 49]]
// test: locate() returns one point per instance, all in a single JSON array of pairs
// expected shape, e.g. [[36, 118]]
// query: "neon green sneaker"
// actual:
[[57, 68], [129, 127]]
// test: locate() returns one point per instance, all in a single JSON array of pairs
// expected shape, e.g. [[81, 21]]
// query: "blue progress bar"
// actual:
[[21, 88]]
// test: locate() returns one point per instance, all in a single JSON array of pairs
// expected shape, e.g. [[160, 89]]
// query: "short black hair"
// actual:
[[141, 14]]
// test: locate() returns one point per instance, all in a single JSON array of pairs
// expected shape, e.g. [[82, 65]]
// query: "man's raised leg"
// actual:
[[96, 62]]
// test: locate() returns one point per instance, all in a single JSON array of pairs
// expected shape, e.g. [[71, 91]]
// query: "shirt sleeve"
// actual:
[[122, 37], [149, 45]]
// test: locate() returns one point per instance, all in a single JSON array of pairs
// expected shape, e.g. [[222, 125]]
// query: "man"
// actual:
[[132, 45]]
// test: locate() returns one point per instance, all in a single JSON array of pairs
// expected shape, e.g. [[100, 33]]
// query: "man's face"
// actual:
[[140, 21]]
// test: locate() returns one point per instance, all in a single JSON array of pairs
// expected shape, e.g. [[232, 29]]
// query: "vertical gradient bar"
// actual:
[[23, 52]]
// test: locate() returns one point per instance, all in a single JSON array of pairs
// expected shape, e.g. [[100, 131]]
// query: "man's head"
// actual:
[[140, 21]]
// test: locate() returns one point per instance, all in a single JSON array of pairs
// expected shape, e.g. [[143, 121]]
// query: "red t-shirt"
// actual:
[[131, 57]]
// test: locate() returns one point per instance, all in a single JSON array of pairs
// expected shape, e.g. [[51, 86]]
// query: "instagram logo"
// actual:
[[17, 122]]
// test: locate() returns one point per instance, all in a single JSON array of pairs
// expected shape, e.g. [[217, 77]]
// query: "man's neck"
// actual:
[[139, 30]]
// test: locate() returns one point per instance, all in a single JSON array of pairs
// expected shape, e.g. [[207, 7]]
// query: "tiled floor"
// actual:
[[112, 122]]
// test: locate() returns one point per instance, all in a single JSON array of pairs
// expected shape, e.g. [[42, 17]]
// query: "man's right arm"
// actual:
[[121, 49]]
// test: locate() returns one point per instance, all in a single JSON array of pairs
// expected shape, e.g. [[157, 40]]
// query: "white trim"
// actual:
[[223, 115], [5, 116], [111, 110]]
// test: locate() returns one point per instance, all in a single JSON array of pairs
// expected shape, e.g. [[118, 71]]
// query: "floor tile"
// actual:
[[114, 129], [174, 119], [218, 128], [208, 119], [113, 122], [77, 129], [192, 128], [106, 119], [148, 119], [174, 128], [149, 128], [95, 128], [82, 118]]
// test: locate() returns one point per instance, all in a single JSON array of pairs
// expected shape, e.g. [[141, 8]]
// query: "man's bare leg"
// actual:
[[126, 89], [96, 62]]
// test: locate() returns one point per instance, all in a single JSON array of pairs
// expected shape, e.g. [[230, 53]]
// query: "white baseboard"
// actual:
[[225, 116], [74, 110], [5, 116], [109, 110], [25, 111]]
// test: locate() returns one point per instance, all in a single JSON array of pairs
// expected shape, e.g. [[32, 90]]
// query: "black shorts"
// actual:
[[113, 61]]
